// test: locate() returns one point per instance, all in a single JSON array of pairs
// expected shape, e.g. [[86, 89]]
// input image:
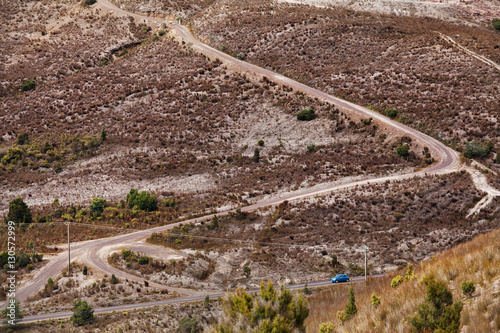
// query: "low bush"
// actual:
[[28, 85], [306, 115], [468, 288], [496, 24], [403, 151], [143, 200], [475, 150], [396, 281], [188, 325], [392, 113]]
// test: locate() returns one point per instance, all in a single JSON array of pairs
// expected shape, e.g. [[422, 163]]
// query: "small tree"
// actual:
[[396, 281], [256, 155], [206, 303], [375, 300], [114, 280], [97, 207], [85, 270], [335, 260], [438, 313], [468, 288], [143, 200], [350, 309], [50, 286], [328, 327], [260, 142], [306, 290], [246, 271], [403, 151], [82, 313], [12, 313], [19, 212], [103, 135]]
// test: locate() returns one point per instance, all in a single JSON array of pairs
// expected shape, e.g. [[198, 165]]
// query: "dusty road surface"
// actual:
[[67, 314]]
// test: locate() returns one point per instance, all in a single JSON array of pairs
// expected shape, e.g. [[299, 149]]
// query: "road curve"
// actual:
[[94, 252], [124, 307]]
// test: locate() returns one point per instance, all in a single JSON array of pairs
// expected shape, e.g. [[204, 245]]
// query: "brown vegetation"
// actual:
[[382, 61]]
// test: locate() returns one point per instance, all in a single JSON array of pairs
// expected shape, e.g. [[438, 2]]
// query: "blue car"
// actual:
[[340, 278]]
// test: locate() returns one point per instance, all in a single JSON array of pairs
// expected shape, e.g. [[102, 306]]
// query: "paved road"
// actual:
[[94, 252], [125, 307]]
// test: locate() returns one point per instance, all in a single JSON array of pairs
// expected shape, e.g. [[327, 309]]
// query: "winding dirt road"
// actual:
[[94, 252]]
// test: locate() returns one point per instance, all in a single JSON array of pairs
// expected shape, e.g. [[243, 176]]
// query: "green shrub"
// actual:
[[392, 113], [240, 56], [306, 115], [143, 260], [143, 200], [496, 24], [468, 288], [260, 143], [396, 281], [85, 270], [438, 313], [17, 315], [13, 155], [188, 325], [367, 121], [19, 212], [114, 280], [82, 313], [256, 155], [28, 85], [403, 151], [351, 309], [270, 310], [311, 148], [475, 150], [23, 138], [97, 207], [246, 271], [89, 2], [161, 32]]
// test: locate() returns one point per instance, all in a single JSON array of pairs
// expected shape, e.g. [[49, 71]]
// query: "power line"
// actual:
[[171, 234]]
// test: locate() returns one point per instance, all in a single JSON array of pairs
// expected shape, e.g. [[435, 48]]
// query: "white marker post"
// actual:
[[366, 248], [69, 252]]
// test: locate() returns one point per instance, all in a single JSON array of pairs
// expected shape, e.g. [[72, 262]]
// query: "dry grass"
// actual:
[[477, 261]]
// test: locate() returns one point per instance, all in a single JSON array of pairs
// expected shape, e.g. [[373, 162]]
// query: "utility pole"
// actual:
[[69, 251], [366, 248]]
